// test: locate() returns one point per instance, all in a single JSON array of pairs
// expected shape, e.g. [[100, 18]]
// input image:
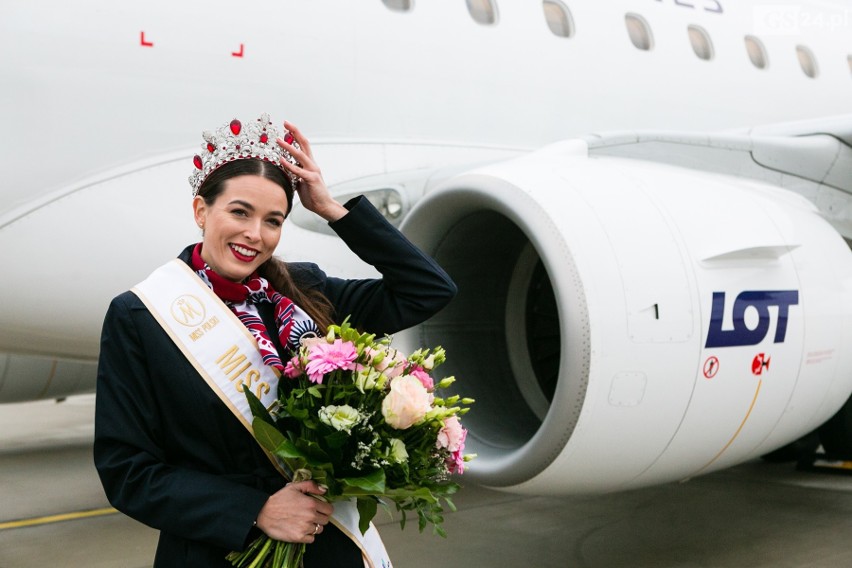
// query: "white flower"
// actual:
[[341, 418], [398, 453], [406, 404], [366, 379]]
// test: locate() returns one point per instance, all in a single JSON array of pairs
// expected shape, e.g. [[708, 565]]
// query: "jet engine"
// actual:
[[623, 323]]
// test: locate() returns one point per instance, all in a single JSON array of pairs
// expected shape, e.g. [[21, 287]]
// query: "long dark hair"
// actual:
[[274, 270]]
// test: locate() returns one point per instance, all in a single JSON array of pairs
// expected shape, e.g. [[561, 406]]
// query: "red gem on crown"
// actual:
[[264, 138], [288, 138], [210, 147], [236, 126]]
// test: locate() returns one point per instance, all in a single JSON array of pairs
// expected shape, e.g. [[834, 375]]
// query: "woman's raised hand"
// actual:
[[312, 189], [293, 515]]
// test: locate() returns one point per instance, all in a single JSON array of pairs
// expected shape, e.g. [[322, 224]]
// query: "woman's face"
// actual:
[[242, 226]]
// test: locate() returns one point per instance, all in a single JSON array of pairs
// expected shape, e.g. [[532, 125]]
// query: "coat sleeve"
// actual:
[[136, 477], [412, 288]]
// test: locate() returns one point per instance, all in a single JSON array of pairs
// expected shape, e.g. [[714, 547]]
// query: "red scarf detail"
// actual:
[[253, 290]]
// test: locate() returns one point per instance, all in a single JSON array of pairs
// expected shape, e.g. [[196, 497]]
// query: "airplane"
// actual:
[[645, 203]]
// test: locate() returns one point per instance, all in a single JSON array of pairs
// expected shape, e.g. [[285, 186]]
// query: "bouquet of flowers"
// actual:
[[367, 423]]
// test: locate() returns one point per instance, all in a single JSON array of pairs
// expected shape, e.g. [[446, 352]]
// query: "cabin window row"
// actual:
[[561, 23], [642, 38]]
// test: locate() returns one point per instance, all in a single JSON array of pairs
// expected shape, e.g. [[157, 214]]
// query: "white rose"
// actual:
[[407, 402], [341, 418], [398, 453], [366, 379]]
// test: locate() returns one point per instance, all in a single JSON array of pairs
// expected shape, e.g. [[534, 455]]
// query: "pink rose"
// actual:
[[407, 403], [455, 463], [308, 342], [452, 435], [422, 376], [324, 357], [399, 361], [371, 353], [293, 368], [392, 364]]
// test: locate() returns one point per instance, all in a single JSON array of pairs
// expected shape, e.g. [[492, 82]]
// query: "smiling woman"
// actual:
[[242, 224], [173, 444]]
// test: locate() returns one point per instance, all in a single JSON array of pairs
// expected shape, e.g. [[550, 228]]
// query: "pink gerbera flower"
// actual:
[[325, 357]]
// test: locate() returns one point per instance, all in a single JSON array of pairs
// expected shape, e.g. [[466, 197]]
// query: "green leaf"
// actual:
[[312, 452], [314, 392], [267, 435], [257, 408], [367, 507], [450, 504], [417, 493], [372, 484]]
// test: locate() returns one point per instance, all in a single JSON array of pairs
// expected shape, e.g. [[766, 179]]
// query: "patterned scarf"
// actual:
[[240, 297]]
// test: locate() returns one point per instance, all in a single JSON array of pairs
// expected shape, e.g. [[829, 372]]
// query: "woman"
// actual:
[[169, 451]]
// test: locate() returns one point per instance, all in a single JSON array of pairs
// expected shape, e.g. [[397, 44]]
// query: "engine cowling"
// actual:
[[625, 323]]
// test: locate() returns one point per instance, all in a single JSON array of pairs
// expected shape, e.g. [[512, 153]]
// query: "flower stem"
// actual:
[[261, 556]]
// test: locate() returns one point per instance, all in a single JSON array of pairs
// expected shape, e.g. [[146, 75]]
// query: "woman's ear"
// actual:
[[199, 209]]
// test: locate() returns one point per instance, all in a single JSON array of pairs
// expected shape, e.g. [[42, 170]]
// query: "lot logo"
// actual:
[[741, 334]]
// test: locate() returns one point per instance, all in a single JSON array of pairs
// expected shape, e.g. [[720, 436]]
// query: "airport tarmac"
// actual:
[[755, 515]]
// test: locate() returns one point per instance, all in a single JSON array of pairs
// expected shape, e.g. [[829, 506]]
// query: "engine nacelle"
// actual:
[[624, 323]]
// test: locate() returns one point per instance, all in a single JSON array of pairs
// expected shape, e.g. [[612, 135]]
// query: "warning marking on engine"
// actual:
[[760, 364], [711, 367], [815, 357]]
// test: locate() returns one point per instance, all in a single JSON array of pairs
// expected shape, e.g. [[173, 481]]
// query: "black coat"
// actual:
[[171, 455]]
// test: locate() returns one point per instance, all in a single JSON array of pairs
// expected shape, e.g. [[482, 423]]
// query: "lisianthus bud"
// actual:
[[468, 400], [445, 382], [438, 413], [439, 356], [378, 357]]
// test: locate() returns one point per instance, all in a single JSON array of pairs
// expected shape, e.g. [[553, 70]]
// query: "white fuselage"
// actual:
[[105, 103]]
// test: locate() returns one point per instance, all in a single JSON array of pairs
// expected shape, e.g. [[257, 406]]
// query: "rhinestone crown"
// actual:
[[235, 141]]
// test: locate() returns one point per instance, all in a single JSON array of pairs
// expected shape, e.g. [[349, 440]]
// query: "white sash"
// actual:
[[225, 354]]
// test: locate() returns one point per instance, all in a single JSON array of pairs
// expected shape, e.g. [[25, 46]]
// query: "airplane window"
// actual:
[[399, 5], [807, 61], [756, 52], [483, 11], [701, 44], [558, 18], [639, 31]]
